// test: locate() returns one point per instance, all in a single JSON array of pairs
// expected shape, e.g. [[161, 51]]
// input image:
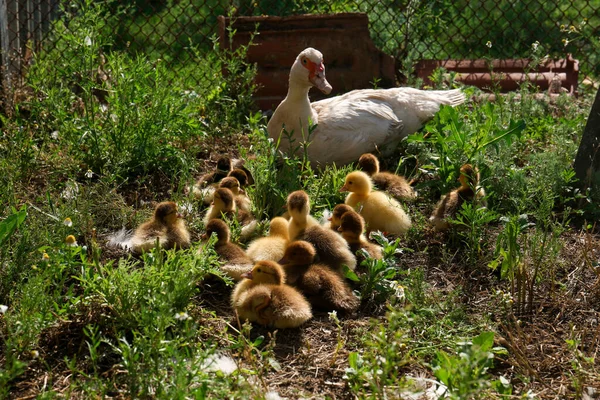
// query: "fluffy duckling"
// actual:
[[336, 216], [239, 196], [331, 248], [298, 206], [273, 246], [380, 211], [241, 176], [167, 226], [224, 205], [205, 186], [235, 261], [324, 288], [351, 227], [449, 204], [395, 185], [264, 297]]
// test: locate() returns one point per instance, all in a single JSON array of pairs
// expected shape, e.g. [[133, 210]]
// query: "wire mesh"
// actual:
[[410, 30]]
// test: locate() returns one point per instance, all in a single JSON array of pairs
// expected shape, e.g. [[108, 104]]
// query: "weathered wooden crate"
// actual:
[[351, 59], [507, 75]]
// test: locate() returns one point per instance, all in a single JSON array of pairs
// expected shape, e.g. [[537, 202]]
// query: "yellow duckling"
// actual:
[[167, 226], [395, 185], [273, 246], [351, 227], [298, 206], [336, 216], [264, 297], [331, 247], [235, 261], [380, 211], [205, 186], [224, 205], [449, 204], [323, 287], [242, 201]]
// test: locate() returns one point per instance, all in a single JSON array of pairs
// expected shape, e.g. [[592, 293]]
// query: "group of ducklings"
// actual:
[[300, 264]]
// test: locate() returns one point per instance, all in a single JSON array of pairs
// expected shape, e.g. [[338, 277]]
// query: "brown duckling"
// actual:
[[331, 248], [242, 201], [336, 216], [273, 246], [380, 211], [166, 225], [235, 261], [323, 287], [224, 205], [205, 186], [395, 185], [449, 204], [241, 176], [352, 226], [264, 297]]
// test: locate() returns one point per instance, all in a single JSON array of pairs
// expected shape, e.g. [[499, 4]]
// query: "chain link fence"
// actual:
[[410, 30]]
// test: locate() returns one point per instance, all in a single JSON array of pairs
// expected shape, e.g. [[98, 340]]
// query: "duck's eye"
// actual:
[[304, 61]]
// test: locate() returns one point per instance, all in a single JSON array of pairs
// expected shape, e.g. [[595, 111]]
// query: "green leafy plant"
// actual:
[[466, 374], [456, 142], [377, 282], [469, 226]]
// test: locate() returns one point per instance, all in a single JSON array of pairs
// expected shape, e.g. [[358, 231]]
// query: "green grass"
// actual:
[[146, 327]]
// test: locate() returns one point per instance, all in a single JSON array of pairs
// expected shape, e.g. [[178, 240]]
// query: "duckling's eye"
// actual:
[[349, 182], [258, 270]]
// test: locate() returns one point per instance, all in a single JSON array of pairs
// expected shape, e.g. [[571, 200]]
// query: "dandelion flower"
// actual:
[[45, 257], [89, 174], [68, 222], [34, 353], [71, 241], [3, 308], [565, 42], [489, 44]]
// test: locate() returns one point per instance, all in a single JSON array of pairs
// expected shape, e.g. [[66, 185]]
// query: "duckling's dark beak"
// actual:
[[344, 189], [283, 261], [247, 275], [339, 229], [330, 219], [179, 215]]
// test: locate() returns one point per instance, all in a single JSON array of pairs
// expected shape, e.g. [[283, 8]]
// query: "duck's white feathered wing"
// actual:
[[362, 120]]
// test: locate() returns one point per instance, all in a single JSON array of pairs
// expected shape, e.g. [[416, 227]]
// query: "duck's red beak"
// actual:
[[316, 76]]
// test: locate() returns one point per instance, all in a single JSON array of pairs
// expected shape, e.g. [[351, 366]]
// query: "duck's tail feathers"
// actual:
[[452, 97], [121, 239]]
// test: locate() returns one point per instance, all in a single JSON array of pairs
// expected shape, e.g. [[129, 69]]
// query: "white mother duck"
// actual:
[[354, 123]]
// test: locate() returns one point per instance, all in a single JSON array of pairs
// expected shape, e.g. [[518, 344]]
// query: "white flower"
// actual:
[[34, 353], [219, 362], [87, 41], [54, 135], [71, 241], [489, 44], [333, 316], [71, 191], [535, 45], [89, 174], [45, 257], [182, 316], [3, 308], [68, 222]]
